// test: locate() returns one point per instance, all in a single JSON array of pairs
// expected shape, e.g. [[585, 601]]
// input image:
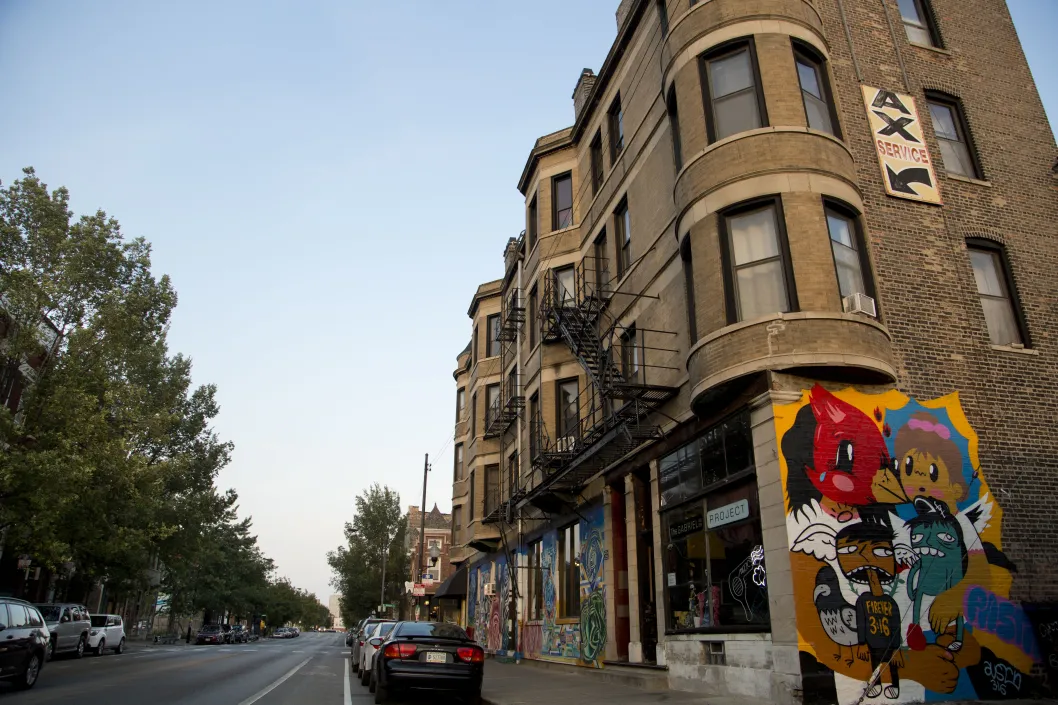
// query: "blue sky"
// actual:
[[326, 183]]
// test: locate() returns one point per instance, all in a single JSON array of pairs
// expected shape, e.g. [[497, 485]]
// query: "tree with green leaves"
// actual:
[[374, 537], [108, 462], [90, 456]]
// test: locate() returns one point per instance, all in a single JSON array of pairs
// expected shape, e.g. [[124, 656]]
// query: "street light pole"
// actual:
[[422, 524]]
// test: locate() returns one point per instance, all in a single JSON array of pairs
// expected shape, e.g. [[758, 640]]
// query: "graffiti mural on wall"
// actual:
[[581, 640], [900, 580], [592, 599], [488, 613]]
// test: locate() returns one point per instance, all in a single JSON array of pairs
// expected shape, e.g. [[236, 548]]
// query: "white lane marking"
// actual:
[[251, 700], [297, 652], [348, 697]]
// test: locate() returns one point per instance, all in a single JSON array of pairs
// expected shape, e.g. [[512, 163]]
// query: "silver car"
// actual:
[[69, 625]]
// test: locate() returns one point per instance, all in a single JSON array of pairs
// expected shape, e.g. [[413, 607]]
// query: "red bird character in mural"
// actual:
[[841, 453]]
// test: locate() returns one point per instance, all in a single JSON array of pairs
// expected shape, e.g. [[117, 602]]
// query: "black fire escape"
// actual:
[[613, 416], [502, 415]]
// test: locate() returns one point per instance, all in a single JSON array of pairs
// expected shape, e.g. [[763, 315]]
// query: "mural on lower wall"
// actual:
[[580, 640], [488, 603], [900, 582]]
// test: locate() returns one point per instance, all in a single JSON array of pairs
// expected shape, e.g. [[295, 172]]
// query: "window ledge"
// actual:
[[562, 231], [567, 620], [967, 179], [1012, 349], [745, 134], [927, 47]]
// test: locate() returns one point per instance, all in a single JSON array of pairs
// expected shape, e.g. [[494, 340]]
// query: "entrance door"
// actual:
[[648, 597]]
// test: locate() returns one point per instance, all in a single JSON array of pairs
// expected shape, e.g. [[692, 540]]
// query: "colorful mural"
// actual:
[[592, 599], [900, 580], [488, 613], [581, 641]]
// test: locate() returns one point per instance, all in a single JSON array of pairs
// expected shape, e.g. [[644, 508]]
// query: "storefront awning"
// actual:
[[456, 585]]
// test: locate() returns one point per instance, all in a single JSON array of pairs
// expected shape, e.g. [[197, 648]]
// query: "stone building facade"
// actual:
[[765, 396]]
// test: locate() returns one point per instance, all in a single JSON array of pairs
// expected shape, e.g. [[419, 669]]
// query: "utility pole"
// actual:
[[382, 600], [422, 525]]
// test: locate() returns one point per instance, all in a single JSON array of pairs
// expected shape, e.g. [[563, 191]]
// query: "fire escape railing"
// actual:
[[501, 418], [612, 417]]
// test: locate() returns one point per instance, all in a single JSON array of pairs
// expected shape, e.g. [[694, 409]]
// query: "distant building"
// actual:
[[334, 604], [438, 534]]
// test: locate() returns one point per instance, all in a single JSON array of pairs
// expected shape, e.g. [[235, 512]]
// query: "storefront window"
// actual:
[[680, 474], [715, 576], [724, 450]]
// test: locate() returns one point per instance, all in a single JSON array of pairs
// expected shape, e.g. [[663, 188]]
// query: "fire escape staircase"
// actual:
[[613, 417]]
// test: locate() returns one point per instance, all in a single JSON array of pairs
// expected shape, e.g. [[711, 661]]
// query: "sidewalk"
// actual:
[[510, 684], [527, 684], [141, 644]]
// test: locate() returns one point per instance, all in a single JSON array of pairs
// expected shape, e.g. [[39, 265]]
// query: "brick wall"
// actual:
[[926, 286]]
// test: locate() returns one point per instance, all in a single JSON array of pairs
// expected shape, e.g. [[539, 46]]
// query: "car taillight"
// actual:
[[399, 650], [471, 654]]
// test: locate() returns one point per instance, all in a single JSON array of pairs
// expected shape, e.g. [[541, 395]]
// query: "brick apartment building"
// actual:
[[438, 533], [765, 395]]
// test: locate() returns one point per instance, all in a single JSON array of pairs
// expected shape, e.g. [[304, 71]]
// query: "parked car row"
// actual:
[[224, 634], [286, 633], [33, 634], [394, 657]]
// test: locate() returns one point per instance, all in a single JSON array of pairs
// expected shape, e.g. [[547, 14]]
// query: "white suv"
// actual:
[[108, 632]]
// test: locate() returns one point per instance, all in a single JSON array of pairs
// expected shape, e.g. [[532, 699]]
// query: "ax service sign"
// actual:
[[907, 168]]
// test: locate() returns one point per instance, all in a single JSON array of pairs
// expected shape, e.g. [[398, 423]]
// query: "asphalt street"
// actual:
[[312, 668]]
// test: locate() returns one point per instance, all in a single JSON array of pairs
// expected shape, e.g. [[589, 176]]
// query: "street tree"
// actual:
[[84, 335], [374, 537], [110, 465]]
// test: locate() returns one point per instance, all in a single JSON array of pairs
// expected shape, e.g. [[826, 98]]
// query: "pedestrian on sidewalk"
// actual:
[[189, 632]]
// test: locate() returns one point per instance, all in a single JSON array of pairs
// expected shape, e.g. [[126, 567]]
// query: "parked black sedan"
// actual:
[[430, 656]]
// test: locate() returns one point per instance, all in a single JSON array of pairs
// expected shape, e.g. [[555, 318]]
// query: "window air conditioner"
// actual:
[[859, 303], [490, 589], [566, 444]]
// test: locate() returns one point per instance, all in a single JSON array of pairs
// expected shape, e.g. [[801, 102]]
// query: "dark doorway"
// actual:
[[648, 616]]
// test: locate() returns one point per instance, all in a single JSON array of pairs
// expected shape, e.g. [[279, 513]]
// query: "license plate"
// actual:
[[436, 657]]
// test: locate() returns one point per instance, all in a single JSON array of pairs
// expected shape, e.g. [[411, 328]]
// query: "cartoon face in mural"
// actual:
[[898, 571], [836, 455], [928, 462], [865, 553], [936, 538]]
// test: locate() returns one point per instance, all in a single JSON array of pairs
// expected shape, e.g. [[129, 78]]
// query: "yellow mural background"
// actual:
[[999, 581]]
